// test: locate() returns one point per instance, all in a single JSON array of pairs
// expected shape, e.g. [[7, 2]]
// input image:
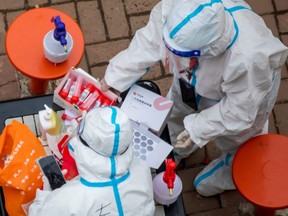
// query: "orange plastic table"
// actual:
[[260, 172], [24, 46]]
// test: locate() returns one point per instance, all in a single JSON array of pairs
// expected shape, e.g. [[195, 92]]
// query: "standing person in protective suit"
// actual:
[[227, 67], [111, 181]]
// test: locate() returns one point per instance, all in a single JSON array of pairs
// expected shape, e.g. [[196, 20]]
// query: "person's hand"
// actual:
[[184, 141], [105, 87], [46, 185]]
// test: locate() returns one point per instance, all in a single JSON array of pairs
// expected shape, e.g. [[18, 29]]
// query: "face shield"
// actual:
[[175, 63], [178, 60], [182, 66]]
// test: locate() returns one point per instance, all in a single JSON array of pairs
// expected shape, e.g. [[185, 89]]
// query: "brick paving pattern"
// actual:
[[108, 26]]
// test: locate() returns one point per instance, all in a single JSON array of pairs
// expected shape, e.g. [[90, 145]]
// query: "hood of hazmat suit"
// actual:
[[111, 181]]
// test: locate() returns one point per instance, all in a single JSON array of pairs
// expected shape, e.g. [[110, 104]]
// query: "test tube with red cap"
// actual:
[[71, 91], [78, 85], [89, 88], [106, 102], [65, 90], [90, 100]]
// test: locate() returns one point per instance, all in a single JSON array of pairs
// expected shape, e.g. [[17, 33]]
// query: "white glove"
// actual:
[[183, 140], [105, 87], [184, 143]]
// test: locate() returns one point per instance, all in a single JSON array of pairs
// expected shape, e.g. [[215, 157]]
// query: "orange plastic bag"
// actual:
[[20, 175]]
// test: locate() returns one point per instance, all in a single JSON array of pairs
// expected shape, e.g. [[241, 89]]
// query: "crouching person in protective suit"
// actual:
[[111, 181]]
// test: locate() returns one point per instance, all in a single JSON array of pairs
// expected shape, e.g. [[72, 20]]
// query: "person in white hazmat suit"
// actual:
[[111, 181], [226, 65]]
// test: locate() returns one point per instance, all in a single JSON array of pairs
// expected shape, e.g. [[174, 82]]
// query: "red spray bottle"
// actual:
[[167, 186]]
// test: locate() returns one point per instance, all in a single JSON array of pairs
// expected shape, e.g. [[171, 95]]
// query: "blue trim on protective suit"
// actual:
[[208, 174], [236, 8], [212, 171], [227, 159], [194, 77], [236, 30], [198, 98], [118, 200], [230, 10], [182, 53], [70, 147], [117, 130], [113, 162], [193, 83], [190, 16], [104, 184]]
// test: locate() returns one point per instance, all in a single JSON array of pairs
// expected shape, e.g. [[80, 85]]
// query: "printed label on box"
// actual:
[[147, 107]]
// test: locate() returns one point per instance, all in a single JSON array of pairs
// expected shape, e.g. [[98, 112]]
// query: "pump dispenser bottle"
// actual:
[[167, 186], [57, 43], [49, 122]]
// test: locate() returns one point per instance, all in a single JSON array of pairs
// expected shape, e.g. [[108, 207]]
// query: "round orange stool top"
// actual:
[[24, 44], [260, 171]]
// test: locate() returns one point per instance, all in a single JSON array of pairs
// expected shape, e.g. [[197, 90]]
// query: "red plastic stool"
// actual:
[[24, 46], [260, 172]]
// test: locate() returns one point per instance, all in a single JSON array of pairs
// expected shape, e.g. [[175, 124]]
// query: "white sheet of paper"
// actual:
[[149, 147]]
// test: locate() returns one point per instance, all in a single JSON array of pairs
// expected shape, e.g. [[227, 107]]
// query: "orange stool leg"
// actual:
[[38, 86], [260, 211]]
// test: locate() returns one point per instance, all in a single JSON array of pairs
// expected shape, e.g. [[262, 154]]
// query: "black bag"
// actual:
[[188, 94]]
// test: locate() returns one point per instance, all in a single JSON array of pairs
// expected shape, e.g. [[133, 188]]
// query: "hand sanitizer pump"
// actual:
[[49, 122], [57, 43], [167, 186]]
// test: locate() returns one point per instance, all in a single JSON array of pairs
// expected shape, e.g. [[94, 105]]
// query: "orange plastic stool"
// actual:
[[260, 172], [24, 46]]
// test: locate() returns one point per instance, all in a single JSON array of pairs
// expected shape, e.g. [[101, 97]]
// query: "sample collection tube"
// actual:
[[78, 85], [84, 95], [90, 88], [71, 91], [65, 90], [90, 100]]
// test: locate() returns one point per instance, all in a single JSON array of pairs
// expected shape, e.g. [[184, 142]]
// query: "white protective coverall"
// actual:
[[111, 181], [236, 81]]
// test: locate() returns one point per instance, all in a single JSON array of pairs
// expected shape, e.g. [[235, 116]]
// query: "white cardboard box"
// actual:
[[87, 78], [148, 108]]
